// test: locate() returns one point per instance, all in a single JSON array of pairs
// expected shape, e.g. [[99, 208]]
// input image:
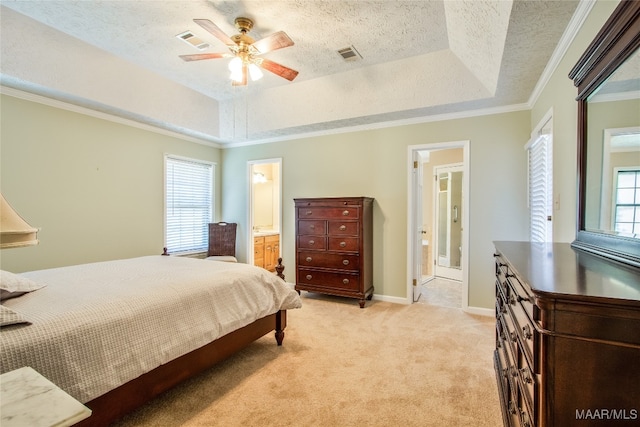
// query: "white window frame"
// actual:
[[198, 242], [540, 181], [608, 199], [614, 208]]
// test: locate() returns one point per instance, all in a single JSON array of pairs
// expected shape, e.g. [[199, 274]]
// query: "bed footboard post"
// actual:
[[280, 269], [281, 323]]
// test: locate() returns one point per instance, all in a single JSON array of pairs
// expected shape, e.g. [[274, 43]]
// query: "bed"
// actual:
[[115, 334]]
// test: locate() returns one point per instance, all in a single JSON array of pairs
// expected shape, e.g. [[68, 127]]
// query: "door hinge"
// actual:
[[415, 282], [415, 164], [549, 218]]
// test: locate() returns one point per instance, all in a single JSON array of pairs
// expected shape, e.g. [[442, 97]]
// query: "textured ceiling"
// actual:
[[419, 59]]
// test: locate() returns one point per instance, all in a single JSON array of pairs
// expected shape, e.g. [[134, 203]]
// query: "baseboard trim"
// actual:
[[387, 298], [480, 311]]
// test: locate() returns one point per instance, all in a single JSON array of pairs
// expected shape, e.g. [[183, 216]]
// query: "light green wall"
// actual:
[[559, 94], [602, 116], [94, 187], [375, 163]]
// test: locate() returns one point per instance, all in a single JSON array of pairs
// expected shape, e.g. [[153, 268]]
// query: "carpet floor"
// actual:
[[384, 365]]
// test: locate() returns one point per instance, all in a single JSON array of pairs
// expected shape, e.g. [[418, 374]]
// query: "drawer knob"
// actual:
[[309, 277], [520, 299], [312, 242], [308, 213], [343, 244], [526, 331], [525, 376], [308, 259], [345, 262], [345, 213], [513, 336], [345, 281], [343, 227], [312, 227]]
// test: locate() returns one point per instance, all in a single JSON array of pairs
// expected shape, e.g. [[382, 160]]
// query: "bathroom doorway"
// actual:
[[265, 213], [438, 220]]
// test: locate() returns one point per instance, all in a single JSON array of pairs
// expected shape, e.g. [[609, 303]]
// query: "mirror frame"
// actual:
[[618, 39]]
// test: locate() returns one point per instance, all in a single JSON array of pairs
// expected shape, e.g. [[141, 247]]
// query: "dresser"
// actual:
[[334, 246], [567, 337]]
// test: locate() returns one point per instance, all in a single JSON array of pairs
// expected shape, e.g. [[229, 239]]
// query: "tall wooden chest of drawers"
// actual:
[[567, 337], [334, 246]]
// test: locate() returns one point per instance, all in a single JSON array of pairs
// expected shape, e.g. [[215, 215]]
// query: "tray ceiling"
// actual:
[[419, 59]]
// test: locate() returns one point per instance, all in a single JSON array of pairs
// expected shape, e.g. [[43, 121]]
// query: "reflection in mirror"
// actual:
[[612, 197], [449, 205]]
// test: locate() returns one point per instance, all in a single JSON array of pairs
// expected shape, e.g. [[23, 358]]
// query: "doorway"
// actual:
[[265, 212], [438, 220]]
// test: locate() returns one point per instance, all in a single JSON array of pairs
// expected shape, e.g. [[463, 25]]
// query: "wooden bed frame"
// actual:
[[124, 399]]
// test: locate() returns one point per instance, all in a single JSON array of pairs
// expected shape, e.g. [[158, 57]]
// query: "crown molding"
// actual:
[[576, 22]]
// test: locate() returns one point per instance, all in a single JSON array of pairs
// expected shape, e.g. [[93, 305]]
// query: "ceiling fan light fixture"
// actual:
[[237, 77], [246, 63], [235, 65], [255, 72]]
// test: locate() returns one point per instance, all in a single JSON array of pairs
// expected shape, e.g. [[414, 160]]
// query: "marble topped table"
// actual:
[[29, 399]]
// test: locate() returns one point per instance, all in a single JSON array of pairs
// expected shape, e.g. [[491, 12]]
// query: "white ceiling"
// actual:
[[420, 59]]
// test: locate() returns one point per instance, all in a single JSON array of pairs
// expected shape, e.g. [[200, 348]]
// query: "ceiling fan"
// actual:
[[246, 52]]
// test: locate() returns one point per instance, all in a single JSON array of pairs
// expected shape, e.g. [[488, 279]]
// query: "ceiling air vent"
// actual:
[[350, 54], [189, 38]]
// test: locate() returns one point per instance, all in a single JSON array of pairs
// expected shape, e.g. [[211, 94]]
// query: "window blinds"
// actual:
[[188, 204], [540, 189]]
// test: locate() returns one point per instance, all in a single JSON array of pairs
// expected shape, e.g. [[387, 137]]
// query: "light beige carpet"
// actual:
[[384, 365]]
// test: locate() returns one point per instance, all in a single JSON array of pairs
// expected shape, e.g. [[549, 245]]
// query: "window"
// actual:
[[627, 202], [540, 183], [188, 204]]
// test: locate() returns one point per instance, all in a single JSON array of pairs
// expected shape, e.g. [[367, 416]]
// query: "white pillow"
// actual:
[[10, 317], [14, 285]]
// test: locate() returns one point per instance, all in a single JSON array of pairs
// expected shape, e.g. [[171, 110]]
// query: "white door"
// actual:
[[417, 225], [448, 222]]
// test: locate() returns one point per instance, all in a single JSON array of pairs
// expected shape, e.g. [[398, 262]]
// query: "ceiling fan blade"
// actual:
[[243, 82], [215, 30], [201, 56], [273, 42], [278, 69]]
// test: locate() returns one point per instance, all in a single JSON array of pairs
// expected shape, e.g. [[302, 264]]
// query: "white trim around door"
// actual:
[[413, 224]]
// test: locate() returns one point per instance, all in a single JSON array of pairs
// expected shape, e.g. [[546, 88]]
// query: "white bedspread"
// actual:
[[96, 326]]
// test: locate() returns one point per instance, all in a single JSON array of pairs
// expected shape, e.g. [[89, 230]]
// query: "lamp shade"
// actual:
[[14, 231], [255, 72]]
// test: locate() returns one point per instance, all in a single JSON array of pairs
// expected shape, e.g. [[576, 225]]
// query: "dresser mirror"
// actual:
[[608, 81]]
